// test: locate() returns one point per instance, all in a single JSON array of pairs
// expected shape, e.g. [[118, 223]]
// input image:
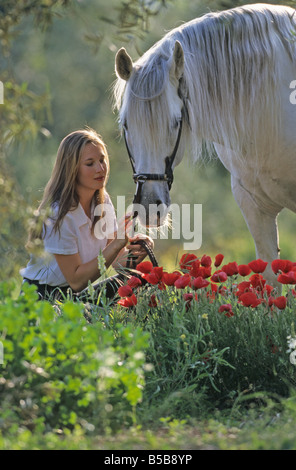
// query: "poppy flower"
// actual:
[[199, 283], [257, 281], [128, 301], [249, 299], [219, 276], [287, 278], [281, 265], [170, 278], [231, 269], [206, 261], [280, 302], [268, 289], [154, 276], [183, 281], [186, 260], [258, 266], [125, 291], [134, 281], [270, 301], [244, 286], [152, 302], [244, 270], [227, 308], [145, 267], [188, 297], [195, 268], [218, 260], [203, 271]]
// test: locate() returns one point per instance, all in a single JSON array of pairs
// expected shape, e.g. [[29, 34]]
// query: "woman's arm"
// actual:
[[78, 274]]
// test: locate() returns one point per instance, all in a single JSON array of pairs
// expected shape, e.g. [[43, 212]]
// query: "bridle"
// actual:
[[168, 176]]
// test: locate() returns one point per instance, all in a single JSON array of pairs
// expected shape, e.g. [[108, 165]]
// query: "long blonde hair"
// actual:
[[61, 187]]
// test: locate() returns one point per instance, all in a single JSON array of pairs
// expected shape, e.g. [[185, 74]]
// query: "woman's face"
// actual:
[[92, 170]]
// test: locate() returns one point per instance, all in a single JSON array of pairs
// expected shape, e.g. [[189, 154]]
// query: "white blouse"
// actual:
[[74, 236]]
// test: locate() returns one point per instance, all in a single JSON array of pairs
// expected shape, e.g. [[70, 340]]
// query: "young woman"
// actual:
[[81, 222]]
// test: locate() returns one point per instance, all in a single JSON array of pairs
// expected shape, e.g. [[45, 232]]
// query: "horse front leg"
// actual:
[[262, 225]]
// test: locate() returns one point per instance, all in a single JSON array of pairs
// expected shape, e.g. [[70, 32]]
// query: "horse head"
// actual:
[[151, 117]]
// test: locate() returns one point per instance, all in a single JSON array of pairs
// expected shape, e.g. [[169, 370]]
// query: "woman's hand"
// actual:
[[138, 251], [124, 230]]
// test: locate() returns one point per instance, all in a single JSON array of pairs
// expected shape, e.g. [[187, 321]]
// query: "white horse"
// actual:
[[228, 79]]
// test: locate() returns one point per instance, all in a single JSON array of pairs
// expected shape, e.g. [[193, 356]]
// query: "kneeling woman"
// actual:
[[71, 243]]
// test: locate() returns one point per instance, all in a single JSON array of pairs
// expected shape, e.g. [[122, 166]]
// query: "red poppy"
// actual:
[[270, 301], [218, 260], [287, 278], [249, 299], [188, 297], [154, 276], [170, 278], [227, 308], [219, 276], [183, 281], [280, 302], [199, 283], [206, 261], [244, 270], [268, 289], [258, 266], [230, 269], [186, 260], [134, 281], [281, 265], [195, 268], [257, 281], [145, 267], [128, 301], [244, 286], [125, 291], [152, 302], [203, 271]]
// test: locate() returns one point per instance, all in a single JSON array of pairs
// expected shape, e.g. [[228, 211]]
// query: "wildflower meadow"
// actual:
[[172, 349]]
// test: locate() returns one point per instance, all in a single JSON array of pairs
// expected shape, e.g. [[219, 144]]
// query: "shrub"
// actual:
[[61, 372]]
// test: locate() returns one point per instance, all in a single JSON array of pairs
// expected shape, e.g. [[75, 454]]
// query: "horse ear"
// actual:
[[177, 68], [123, 64]]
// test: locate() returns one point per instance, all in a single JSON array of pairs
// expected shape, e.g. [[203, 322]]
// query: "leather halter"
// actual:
[[141, 178]]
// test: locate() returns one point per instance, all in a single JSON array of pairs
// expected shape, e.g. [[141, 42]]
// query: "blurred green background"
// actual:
[[57, 66]]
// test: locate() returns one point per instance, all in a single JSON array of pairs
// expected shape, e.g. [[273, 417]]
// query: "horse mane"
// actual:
[[230, 78]]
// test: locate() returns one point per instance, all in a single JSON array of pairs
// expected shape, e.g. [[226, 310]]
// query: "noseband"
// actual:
[[141, 178]]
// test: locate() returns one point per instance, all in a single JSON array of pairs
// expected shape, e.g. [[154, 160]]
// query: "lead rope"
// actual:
[[131, 262]]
